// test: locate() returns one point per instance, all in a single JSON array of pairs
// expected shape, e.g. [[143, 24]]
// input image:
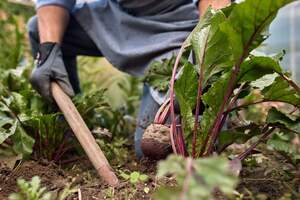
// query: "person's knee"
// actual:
[[33, 33]]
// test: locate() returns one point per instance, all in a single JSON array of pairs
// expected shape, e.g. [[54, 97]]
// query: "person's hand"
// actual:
[[50, 67]]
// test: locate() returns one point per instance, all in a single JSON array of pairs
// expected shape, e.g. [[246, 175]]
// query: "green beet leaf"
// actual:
[[257, 67], [197, 179], [186, 94], [247, 24], [284, 121], [280, 90], [238, 135], [280, 145], [216, 173], [23, 143], [213, 99], [211, 47], [4, 131]]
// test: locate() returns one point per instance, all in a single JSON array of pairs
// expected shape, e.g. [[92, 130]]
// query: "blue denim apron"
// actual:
[[131, 37]]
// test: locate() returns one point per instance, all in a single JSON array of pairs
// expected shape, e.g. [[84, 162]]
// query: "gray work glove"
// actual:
[[50, 67]]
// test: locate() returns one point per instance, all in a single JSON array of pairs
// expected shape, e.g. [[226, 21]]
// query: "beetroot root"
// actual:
[[156, 143]]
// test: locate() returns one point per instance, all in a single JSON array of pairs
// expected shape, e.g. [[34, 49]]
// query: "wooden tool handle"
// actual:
[[84, 135]]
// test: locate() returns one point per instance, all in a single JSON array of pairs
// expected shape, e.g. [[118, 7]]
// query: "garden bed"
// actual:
[[232, 101], [264, 176]]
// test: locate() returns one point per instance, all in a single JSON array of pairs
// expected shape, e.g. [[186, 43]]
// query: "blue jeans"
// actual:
[[77, 42], [148, 109]]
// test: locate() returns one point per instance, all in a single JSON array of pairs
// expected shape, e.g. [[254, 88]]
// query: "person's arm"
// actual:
[[53, 18], [52, 23], [215, 4]]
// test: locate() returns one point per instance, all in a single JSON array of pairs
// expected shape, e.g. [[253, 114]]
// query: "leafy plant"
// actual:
[[196, 179], [122, 93], [12, 104], [159, 74], [31, 190], [11, 35], [24, 117], [28, 123], [219, 84], [115, 149], [134, 177]]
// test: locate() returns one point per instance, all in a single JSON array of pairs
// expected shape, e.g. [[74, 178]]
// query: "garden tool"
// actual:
[[84, 135]]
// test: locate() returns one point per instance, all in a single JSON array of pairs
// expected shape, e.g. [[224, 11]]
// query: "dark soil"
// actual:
[[53, 177], [273, 178], [80, 175]]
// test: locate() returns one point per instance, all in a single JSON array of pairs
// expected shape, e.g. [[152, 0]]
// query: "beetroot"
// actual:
[[156, 142]]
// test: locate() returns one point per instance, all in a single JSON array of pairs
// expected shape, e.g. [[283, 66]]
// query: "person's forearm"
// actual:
[[215, 4], [52, 23]]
